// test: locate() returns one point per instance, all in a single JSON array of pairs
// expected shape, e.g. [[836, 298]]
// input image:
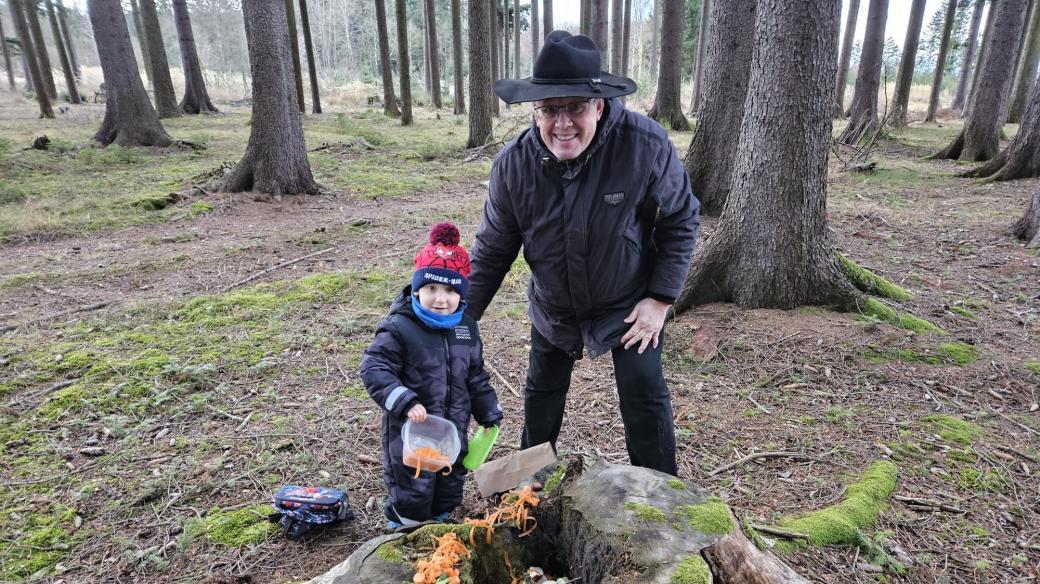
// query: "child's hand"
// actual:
[[417, 413]]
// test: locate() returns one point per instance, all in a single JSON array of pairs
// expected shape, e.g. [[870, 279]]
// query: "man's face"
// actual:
[[567, 124]]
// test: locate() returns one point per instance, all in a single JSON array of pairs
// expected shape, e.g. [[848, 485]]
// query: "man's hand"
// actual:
[[417, 413], [648, 320]]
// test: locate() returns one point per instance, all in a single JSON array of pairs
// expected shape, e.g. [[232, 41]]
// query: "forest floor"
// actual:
[[141, 441]]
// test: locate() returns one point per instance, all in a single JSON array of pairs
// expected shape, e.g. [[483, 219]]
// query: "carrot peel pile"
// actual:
[[441, 562], [512, 510]]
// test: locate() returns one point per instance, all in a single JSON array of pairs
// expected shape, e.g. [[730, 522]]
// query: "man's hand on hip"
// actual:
[[647, 320]]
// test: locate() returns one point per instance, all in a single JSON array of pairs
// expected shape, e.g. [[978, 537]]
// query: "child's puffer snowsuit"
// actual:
[[409, 363]]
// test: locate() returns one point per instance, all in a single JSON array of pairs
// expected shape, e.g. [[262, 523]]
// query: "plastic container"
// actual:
[[480, 447], [430, 445]]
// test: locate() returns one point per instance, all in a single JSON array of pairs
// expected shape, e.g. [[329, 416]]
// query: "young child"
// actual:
[[427, 358]]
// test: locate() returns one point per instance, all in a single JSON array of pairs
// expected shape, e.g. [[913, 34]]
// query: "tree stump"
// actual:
[[609, 524]]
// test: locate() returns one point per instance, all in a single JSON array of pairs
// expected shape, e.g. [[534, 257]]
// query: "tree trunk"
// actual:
[[771, 247], [275, 161], [428, 84], [969, 56], [709, 160], [196, 98], [1028, 227], [7, 56], [294, 52], [702, 49], [389, 99], [162, 84], [655, 29], [617, 8], [842, 78], [312, 69], [599, 30], [33, 17], [940, 62], [667, 110], [1027, 68], [31, 66], [66, 67], [504, 22], [547, 18], [516, 39], [130, 119], [142, 42], [403, 66], [1021, 158], [480, 96], [626, 38], [536, 34], [981, 57], [586, 19], [68, 39], [456, 51], [979, 140], [863, 119], [905, 77], [26, 69], [435, 66], [492, 21]]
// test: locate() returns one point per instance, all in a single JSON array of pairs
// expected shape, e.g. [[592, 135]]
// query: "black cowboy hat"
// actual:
[[567, 66]]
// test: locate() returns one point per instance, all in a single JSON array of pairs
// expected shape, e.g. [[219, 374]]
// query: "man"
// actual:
[[596, 196]]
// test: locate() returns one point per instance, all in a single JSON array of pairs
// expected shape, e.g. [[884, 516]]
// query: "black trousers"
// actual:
[[646, 403]]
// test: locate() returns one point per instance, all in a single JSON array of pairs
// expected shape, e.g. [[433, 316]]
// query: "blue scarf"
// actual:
[[438, 321]]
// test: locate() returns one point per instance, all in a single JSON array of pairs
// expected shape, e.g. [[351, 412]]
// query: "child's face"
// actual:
[[439, 298]]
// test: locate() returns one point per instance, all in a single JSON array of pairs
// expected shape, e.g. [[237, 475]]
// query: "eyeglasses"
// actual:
[[573, 110]]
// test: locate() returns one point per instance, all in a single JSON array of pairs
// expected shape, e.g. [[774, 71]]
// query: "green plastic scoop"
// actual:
[[480, 447]]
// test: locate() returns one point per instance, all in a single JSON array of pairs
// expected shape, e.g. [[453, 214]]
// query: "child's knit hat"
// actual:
[[443, 261]]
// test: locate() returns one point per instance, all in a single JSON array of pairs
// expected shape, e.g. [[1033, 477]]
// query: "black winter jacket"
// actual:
[[409, 362], [600, 233]]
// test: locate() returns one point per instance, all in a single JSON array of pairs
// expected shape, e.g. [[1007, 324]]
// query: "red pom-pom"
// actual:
[[444, 234]]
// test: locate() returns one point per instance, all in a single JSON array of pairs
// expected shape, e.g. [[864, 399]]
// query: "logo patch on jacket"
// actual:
[[613, 199], [462, 333]]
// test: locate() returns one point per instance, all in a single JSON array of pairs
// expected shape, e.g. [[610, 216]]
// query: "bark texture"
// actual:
[[1027, 68], [275, 161], [196, 98], [403, 66], [457, 56], [969, 56], [130, 119], [516, 39], [598, 26], [979, 140], [29, 63], [504, 23], [536, 31], [480, 96], [389, 99], [863, 114], [142, 42], [905, 77], [940, 61], [709, 160], [1021, 158], [617, 8], [162, 83], [7, 56], [547, 18], [626, 38], [734, 558], [294, 52], [434, 53], [1028, 226], [981, 58], [702, 49], [312, 69], [841, 79], [667, 110], [492, 41], [32, 16], [59, 43], [655, 34], [771, 247], [68, 39]]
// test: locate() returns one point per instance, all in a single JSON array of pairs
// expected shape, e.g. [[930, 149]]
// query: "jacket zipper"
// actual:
[[447, 371]]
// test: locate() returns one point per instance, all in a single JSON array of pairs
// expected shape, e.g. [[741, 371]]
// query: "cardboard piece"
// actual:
[[503, 474]]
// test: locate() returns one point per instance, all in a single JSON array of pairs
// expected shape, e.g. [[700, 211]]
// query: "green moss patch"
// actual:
[[234, 528], [676, 484], [870, 282], [1033, 366], [959, 353], [646, 512], [553, 481], [962, 312], [952, 429], [864, 501], [32, 546], [884, 313], [712, 517], [692, 570]]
